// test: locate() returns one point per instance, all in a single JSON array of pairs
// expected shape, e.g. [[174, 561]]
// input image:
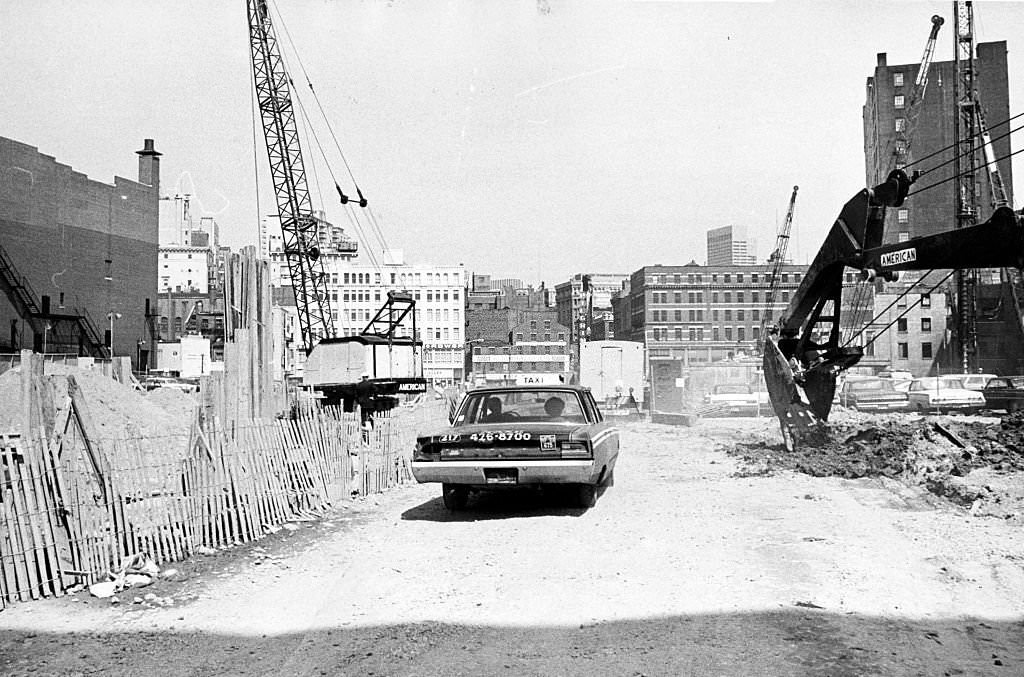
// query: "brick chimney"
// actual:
[[149, 165]]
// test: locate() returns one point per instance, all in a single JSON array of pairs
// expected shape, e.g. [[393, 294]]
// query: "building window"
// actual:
[[741, 334], [739, 315], [714, 297], [785, 297], [728, 278], [897, 101], [714, 315], [901, 124], [693, 315], [926, 300], [903, 236], [869, 344], [679, 315], [926, 349], [897, 79], [926, 324], [728, 333], [739, 297], [901, 324], [755, 315], [902, 351], [728, 315], [903, 215], [714, 333], [754, 296], [728, 297], [739, 277], [679, 334], [678, 297]]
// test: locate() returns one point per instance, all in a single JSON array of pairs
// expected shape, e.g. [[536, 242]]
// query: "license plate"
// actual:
[[501, 475]]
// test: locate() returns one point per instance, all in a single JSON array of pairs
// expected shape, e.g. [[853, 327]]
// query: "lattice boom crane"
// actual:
[[298, 225]]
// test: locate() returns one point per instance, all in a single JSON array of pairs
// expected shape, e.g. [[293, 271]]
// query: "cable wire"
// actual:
[[957, 176]]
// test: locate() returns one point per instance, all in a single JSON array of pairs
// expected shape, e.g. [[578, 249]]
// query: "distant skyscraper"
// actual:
[[730, 246]]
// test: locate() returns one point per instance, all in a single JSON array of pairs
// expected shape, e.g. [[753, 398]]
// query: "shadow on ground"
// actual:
[[781, 643], [503, 503]]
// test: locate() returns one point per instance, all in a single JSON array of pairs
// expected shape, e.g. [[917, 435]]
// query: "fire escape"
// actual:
[[51, 332]]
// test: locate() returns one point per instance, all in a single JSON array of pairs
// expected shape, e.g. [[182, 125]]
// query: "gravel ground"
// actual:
[[689, 565]]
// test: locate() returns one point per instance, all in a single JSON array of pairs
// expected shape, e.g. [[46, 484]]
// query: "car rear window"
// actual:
[[732, 389], [859, 386], [521, 406]]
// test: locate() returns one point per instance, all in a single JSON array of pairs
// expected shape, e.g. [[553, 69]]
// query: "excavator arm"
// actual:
[[803, 355]]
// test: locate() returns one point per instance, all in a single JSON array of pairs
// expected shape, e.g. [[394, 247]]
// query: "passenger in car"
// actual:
[[492, 411], [554, 408]]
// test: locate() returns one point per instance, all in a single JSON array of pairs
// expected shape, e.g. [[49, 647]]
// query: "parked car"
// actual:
[[872, 394], [976, 381], [737, 399], [520, 435], [1005, 392], [943, 393]]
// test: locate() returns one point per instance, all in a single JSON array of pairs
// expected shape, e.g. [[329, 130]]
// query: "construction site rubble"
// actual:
[[973, 461]]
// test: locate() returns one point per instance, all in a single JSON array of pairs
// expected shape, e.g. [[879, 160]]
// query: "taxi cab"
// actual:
[[520, 435]]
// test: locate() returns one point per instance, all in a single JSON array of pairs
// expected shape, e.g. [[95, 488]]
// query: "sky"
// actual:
[[522, 138]]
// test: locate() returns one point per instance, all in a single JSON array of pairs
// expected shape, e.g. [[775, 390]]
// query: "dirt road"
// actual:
[[687, 566]]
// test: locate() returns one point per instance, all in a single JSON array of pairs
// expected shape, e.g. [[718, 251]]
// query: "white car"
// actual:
[[943, 393], [976, 381]]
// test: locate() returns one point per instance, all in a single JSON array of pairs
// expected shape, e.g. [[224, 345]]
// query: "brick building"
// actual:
[[516, 346], [701, 313], [86, 249], [998, 325]]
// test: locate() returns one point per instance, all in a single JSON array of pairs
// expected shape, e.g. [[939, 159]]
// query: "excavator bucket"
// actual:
[[799, 423]]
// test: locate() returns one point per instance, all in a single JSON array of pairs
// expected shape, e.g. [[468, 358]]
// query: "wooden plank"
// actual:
[[27, 543], [46, 503], [254, 454], [63, 497], [271, 444], [96, 456], [242, 481], [10, 563]]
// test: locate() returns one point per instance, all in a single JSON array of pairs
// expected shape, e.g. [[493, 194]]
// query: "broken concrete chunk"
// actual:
[[102, 590]]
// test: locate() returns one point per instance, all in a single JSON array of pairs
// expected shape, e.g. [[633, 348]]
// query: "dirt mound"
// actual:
[[944, 454], [117, 411], [175, 402]]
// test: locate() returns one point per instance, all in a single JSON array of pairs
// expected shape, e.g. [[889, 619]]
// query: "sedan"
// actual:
[[520, 435], [943, 393], [872, 394], [1005, 392]]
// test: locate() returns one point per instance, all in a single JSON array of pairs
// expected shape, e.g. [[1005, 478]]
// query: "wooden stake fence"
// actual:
[[62, 523]]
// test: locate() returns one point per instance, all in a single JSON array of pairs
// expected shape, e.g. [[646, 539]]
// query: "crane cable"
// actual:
[[364, 234], [373, 229], [978, 134]]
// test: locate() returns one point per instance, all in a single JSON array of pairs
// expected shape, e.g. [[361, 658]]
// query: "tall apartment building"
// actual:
[[83, 251], [1000, 341], [700, 314], [888, 92], [730, 246]]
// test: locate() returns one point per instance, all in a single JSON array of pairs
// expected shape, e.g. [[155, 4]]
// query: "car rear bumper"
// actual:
[[527, 472], [882, 406]]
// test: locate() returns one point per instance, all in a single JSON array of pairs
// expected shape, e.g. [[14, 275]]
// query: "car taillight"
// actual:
[[572, 449], [425, 453]]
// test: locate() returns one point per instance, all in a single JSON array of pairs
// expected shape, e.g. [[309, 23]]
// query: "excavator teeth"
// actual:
[[799, 424]]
